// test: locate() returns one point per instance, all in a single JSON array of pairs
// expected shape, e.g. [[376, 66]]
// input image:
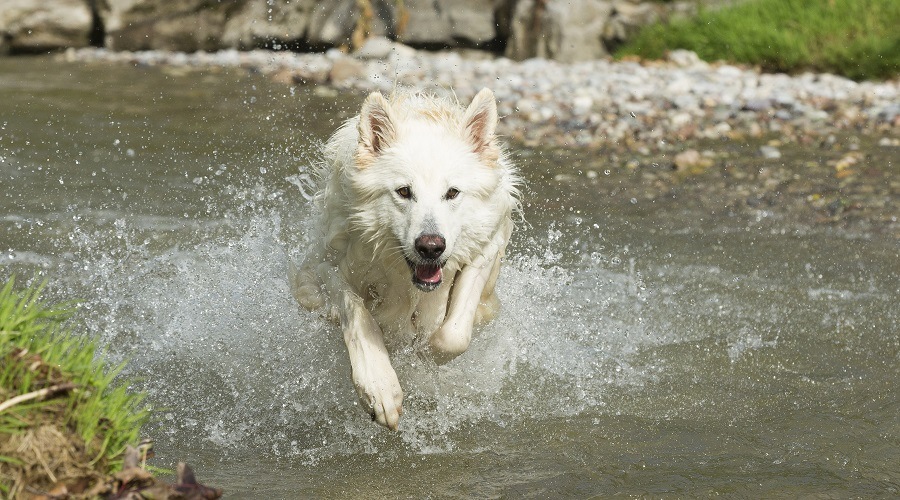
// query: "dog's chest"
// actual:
[[405, 313]]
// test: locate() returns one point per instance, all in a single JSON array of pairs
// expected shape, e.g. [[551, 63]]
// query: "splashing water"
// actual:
[[210, 330], [638, 351]]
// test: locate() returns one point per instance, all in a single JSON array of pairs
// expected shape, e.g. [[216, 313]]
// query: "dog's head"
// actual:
[[430, 181]]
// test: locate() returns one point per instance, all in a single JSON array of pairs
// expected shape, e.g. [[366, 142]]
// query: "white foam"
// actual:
[[212, 331]]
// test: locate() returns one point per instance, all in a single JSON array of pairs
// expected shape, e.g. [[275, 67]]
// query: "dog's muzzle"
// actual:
[[427, 272]]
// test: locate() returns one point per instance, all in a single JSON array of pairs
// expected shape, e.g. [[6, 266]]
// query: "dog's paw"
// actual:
[[309, 297], [305, 288], [381, 395]]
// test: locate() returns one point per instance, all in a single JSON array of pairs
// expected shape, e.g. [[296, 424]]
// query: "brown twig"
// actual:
[[39, 394]]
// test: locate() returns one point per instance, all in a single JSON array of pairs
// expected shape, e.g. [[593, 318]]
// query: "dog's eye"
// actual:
[[451, 194], [404, 192]]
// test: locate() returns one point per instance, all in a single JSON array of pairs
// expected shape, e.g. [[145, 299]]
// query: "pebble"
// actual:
[[345, 69], [770, 152], [692, 161], [651, 106]]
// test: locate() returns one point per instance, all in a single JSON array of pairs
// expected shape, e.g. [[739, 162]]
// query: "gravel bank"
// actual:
[[805, 150], [627, 106]]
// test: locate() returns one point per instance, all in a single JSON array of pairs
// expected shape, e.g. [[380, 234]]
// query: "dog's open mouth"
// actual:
[[426, 276]]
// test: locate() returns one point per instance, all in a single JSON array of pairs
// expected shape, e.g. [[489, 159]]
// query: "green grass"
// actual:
[[104, 414], [859, 39]]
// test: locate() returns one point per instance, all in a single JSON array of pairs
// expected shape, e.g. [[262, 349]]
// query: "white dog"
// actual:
[[417, 199]]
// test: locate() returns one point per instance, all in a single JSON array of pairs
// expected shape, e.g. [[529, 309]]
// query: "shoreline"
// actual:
[[817, 148], [626, 106]]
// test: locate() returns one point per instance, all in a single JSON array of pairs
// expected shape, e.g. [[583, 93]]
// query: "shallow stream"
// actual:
[[644, 348]]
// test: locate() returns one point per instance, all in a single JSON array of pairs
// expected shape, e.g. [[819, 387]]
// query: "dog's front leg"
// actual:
[[374, 377], [454, 336]]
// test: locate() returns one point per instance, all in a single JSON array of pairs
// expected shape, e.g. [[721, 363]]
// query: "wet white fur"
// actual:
[[358, 266]]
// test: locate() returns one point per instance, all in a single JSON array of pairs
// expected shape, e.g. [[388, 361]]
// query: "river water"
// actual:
[[643, 349]]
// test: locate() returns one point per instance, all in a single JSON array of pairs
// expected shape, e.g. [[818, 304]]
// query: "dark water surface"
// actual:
[[643, 349]]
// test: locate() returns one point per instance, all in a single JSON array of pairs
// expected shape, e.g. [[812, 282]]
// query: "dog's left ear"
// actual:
[[376, 125], [480, 121]]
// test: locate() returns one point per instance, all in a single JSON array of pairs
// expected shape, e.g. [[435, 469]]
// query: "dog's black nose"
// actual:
[[430, 246]]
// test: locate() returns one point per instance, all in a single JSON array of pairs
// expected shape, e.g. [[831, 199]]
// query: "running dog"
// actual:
[[417, 199]]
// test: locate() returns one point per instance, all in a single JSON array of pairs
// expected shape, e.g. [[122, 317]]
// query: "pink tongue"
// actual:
[[428, 274]]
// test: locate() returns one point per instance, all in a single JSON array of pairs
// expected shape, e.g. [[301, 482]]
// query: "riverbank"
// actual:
[[66, 429], [852, 38], [818, 146], [649, 107]]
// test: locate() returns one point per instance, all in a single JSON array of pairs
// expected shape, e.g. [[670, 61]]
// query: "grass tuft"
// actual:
[[57, 386], [855, 38]]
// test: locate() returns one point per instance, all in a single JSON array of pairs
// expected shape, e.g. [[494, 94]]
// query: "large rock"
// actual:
[[185, 25], [333, 22], [41, 25], [446, 23], [565, 30], [262, 23], [627, 18], [450, 22]]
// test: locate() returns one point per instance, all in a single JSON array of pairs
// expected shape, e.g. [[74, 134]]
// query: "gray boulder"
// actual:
[[450, 22], [261, 23], [564, 30], [186, 25], [627, 18], [332, 23], [421, 22], [39, 26]]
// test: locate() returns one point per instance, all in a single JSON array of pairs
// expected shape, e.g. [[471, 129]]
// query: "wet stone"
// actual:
[[769, 152]]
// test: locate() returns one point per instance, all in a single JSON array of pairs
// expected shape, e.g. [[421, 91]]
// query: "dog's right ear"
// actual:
[[479, 123], [376, 125]]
